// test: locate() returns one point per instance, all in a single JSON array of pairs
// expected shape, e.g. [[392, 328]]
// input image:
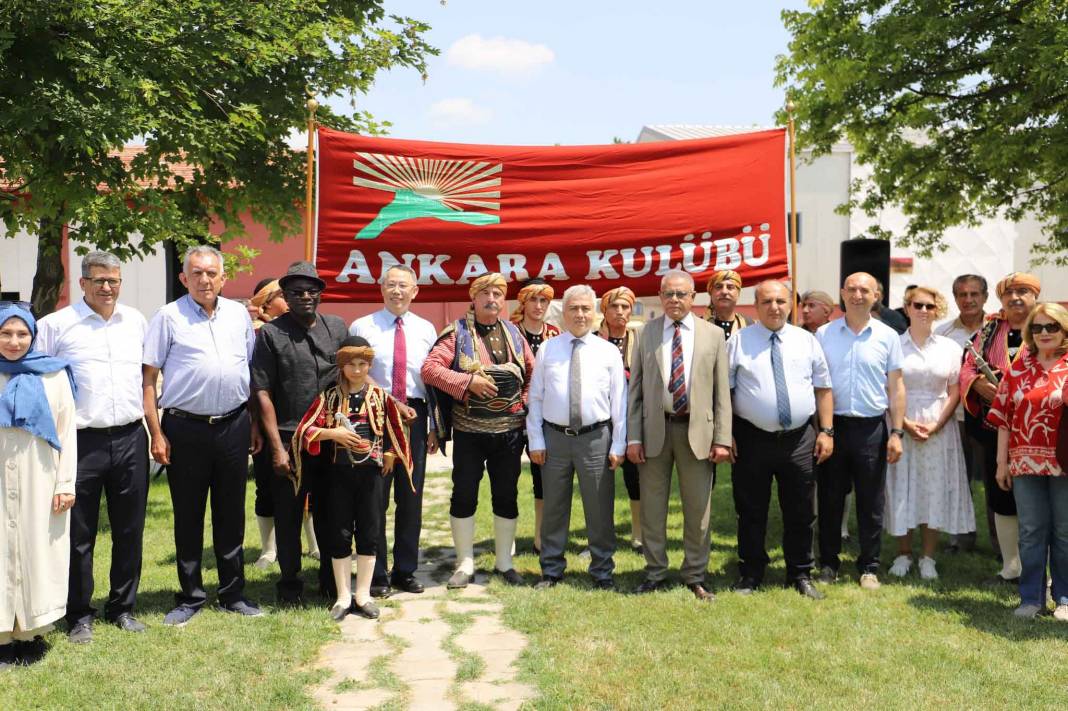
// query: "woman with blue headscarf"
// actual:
[[38, 462]]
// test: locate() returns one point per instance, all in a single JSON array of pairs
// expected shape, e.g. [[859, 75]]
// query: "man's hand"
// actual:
[[280, 462], [537, 456], [985, 389], [824, 448], [482, 387], [62, 502], [636, 453], [161, 449], [256, 443], [719, 454], [614, 460], [893, 449], [431, 443]]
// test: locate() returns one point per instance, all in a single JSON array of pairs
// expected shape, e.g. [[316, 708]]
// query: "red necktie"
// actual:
[[677, 384], [400, 363]]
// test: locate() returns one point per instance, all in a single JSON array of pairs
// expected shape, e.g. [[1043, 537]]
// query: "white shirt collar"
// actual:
[[85, 311]]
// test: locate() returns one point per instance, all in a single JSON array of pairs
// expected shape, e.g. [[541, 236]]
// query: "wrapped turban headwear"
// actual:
[[616, 294], [528, 292], [725, 275], [486, 281], [264, 295], [1019, 280]]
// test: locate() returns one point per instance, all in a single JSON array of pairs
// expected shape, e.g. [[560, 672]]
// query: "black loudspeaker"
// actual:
[[867, 255]]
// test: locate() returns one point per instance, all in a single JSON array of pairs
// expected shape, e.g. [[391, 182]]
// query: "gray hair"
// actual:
[[103, 260], [675, 274], [401, 268], [202, 249], [577, 291]]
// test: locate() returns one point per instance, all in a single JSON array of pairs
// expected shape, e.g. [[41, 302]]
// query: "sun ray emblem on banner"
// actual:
[[425, 187]]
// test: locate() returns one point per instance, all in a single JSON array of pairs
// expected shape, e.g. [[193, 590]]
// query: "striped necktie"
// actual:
[[677, 384], [782, 395]]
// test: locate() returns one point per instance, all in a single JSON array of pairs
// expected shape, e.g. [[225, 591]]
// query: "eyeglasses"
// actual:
[[25, 305], [1037, 328], [923, 307], [675, 294], [313, 293], [113, 283]]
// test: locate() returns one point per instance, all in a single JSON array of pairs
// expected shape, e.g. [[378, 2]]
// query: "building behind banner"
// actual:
[[992, 249]]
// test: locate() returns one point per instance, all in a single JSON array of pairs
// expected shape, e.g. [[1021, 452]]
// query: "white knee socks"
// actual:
[[504, 538], [365, 568], [309, 533], [463, 539], [343, 581], [269, 552]]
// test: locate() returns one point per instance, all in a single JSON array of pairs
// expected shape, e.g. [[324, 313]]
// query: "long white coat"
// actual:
[[34, 542]]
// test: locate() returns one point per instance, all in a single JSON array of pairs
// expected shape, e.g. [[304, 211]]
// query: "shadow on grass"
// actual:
[[990, 616]]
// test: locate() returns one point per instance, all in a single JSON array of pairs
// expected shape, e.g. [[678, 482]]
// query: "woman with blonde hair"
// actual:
[[1028, 411], [927, 488]]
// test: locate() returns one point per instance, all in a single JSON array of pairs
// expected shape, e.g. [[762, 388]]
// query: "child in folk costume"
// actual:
[[364, 431]]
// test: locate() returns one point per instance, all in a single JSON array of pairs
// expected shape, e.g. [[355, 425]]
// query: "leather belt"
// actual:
[[210, 419], [572, 432], [117, 429], [417, 402]]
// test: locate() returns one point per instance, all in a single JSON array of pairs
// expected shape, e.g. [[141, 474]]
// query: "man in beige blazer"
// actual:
[[678, 416]]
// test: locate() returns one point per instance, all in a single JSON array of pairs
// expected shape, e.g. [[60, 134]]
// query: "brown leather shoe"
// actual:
[[700, 593]]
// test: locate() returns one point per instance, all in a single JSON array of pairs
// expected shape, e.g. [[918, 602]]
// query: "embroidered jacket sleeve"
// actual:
[[306, 438], [528, 370], [437, 369]]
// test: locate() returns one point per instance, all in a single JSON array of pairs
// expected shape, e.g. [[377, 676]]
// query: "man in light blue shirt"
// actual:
[[401, 341], [203, 343], [864, 357], [779, 380]]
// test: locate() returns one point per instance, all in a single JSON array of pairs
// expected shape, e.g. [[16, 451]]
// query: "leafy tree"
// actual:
[[212, 84], [960, 107]]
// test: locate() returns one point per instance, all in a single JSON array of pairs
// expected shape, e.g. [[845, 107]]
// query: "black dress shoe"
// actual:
[[805, 587], [509, 576], [546, 582], [700, 593], [381, 591], [408, 584], [649, 586], [368, 610], [80, 633], [745, 585], [128, 623]]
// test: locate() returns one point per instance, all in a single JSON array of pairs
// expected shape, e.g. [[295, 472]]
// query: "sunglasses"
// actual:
[[25, 305], [304, 292], [1037, 328], [923, 307]]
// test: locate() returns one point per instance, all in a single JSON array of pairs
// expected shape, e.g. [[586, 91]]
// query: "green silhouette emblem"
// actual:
[[425, 187]]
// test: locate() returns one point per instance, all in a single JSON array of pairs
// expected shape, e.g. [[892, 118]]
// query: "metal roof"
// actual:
[[682, 131]]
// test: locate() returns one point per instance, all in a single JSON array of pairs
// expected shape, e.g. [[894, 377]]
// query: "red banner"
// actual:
[[603, 215]]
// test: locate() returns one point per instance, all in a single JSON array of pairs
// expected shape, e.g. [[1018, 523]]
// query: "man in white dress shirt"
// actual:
[[577, 423], [102, 340], [401, 341], [779, 380]]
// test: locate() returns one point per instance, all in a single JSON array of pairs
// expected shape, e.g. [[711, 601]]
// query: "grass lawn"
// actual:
[[910, 645]]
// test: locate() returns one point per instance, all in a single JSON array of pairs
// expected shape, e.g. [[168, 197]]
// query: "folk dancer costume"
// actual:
[[489, 433], [38, 460], [355, 474], [626, 345], [1000, 345], [735, 323], [534, 340]]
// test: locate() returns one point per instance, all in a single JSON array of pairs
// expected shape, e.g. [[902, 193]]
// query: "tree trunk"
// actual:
[[48, 280]]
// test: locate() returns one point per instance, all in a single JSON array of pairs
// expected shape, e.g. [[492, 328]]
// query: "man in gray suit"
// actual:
[[678, 416]]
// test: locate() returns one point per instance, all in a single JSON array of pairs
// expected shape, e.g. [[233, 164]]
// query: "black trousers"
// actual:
[[116, 465], [474, 454], [1000, 502], [263, 472], [408, 505], [788, 458], [289, 523], [630, 480], [208, 458], [355, 508], [859, 460]]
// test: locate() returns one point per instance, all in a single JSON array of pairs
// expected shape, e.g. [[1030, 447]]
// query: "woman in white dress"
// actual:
[[927, 488], [38, 462]]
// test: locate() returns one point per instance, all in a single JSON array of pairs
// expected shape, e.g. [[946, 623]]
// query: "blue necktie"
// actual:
[[782, 396]]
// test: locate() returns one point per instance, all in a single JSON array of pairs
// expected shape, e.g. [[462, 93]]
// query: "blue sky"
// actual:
[[583, 71]]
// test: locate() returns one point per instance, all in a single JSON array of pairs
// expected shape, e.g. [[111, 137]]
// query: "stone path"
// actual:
[[439, 650]]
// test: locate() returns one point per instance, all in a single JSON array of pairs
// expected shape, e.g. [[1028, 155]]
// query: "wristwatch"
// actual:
[[829, 431], [898, 432]]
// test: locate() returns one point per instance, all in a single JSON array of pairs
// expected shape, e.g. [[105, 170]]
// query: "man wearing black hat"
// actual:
[[294, 362]]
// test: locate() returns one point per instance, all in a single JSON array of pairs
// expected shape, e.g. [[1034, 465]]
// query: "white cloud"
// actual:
[[459, 111], [504, 55]]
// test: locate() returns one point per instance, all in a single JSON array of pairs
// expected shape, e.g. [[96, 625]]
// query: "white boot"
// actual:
[[269, 552], [463, 539], [504, 538], [1008, 528], [309, 534], [343, 581]]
